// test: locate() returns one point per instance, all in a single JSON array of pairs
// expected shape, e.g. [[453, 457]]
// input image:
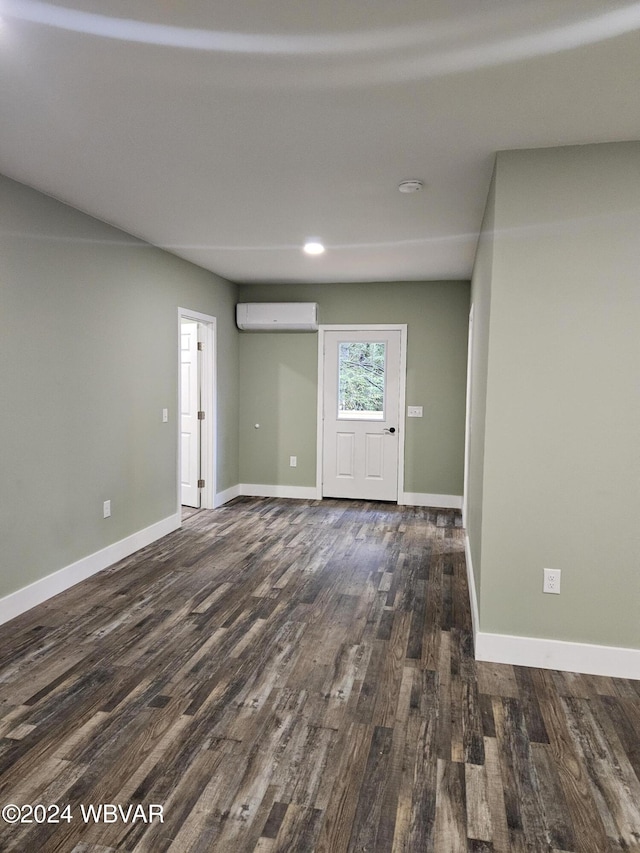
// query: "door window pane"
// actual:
[[361, 373]]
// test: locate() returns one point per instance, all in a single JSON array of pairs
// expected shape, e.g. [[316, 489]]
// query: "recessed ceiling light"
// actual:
[[410, 186], [312, 247]]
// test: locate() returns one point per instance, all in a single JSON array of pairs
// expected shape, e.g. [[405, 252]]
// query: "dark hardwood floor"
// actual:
[[298, 676]]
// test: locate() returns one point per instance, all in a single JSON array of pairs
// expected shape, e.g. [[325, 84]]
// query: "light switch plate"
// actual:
[[414, 411]]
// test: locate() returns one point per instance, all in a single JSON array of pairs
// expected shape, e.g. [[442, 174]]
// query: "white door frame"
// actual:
[[363, 327], [208, 394]]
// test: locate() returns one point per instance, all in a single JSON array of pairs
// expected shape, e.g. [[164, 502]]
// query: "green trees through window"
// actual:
[[361, 385]]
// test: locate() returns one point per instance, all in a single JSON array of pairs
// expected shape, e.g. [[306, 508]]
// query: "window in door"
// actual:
[[361, 380]]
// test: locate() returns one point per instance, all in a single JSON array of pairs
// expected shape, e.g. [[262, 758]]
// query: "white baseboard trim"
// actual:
[[475, 617], [24, 599], [558, 654], [586, 658], [226, 496], [438, 501], [262, 490], [256, 490]]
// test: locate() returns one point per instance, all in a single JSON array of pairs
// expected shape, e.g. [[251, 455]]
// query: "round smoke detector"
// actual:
[[410, 186]]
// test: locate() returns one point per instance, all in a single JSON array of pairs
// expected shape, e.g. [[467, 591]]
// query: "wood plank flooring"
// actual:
[[298, 676]]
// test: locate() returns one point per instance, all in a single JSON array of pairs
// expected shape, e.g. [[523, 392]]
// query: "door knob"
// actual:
[[391, 430]]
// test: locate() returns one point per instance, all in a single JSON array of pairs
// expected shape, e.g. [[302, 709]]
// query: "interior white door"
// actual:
[[361, 414], [189, 423]]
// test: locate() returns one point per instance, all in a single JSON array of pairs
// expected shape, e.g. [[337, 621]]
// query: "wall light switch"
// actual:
[[414, 411], [106, 509], [293, 461], [165, 416]]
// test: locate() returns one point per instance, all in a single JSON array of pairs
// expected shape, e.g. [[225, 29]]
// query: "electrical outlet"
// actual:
[[106, 509], [293, 461], [551, 581]]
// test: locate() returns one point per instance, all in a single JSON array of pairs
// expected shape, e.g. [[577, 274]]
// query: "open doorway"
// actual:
[[190, 455], [196, 411]]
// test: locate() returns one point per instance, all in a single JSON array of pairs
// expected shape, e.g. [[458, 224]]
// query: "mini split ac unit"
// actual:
[[277, 316]]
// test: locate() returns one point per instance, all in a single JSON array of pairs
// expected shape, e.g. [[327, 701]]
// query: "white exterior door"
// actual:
[[361, 414], [189, 423]]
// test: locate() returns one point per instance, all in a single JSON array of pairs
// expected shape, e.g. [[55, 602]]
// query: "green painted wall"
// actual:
[[278, 377], [562, 451], [88, 360], [481, 305]]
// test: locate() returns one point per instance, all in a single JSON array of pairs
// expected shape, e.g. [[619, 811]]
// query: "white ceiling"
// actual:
[[230, 131]]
